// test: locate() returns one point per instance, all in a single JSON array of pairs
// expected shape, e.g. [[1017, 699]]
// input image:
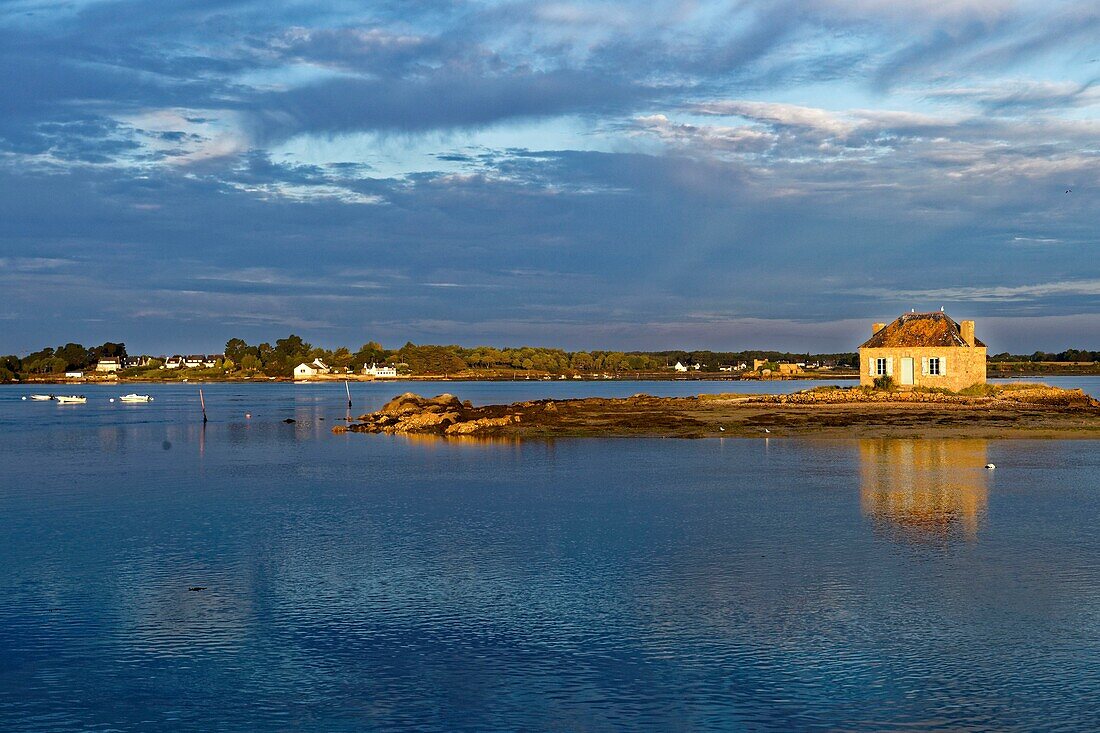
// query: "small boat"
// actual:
[[41, 397], [72, 399], [134, 397]]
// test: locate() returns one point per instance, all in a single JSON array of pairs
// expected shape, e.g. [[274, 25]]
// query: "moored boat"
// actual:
[[41, 397], [134, 397], [73, 399]]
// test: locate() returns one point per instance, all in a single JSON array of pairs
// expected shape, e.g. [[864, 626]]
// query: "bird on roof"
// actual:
[[941, 309]]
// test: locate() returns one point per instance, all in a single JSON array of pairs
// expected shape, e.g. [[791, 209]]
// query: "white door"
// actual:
[[906, 370]]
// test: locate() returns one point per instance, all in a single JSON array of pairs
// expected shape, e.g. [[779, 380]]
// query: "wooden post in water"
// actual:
[[202, 401], [346, 387]]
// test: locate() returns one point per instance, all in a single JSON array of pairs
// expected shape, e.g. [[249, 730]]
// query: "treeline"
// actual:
[[280, 358], [1069, 355], [70, 357]]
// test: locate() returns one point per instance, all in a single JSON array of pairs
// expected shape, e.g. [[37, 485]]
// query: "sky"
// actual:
[[614, 175]]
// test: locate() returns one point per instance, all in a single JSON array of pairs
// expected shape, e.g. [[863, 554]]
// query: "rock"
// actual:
[[444, 401], [338, 429], [290, 420], [408, 402], [485, 423], [424, 422]]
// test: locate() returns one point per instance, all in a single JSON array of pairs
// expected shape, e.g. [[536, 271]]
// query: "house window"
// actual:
[[934, 366], [880, 367]]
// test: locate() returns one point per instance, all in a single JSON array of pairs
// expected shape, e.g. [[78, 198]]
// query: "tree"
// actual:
[[292, 346], [340, 358], [108, 350], [250, 363], [235, 349], [431, 359], [75, 356], [582, 361]]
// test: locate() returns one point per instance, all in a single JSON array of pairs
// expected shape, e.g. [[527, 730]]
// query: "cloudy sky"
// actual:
[[751, 173]]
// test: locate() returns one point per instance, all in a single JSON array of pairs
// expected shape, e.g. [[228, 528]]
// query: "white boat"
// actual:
[[134, 397], [71, 399], [41, 397]]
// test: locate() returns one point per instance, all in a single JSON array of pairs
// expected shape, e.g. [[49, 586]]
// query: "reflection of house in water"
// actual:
[[927, 489]]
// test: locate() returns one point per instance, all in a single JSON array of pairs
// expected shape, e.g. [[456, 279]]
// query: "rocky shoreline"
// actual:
[[1005, 412]]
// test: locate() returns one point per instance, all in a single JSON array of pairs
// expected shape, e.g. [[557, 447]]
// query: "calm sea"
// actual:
[[358, 582]]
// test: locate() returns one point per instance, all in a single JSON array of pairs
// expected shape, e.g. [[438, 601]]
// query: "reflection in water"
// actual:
[[925, 489], [430, 440]]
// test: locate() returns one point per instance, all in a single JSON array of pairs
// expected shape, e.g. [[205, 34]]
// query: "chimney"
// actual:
[[966, 330], [876, 327]]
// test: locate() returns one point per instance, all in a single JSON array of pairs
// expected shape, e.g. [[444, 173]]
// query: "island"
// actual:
[[991, 411]]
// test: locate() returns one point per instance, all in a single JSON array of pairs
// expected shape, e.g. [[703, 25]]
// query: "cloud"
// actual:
[[1025, 95], [566, 170], [1001, 293]]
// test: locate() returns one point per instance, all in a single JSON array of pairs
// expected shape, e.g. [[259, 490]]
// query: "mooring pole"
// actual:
[[202, 401], [349, 392]]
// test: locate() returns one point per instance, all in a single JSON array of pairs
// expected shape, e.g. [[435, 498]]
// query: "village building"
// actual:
[[312, 369], [173, 362], [923, 350], [108, 364], [376, 370]]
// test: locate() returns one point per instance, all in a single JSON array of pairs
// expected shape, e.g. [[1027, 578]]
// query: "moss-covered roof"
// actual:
[[918, 329]]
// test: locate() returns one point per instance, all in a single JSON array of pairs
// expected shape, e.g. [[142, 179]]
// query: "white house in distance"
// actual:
[[312, 369], [376, 371], [684, 367], [108, 364]]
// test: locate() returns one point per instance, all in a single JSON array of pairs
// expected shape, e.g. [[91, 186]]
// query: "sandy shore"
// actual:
[[1007, 412]]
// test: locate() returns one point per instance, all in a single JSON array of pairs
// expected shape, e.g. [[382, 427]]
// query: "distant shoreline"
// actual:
[[92, 379], [340, 379]]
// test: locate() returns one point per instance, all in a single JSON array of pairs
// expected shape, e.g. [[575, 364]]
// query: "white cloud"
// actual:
[[995, 293]]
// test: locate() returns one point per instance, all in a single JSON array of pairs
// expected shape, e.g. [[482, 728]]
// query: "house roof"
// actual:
[[918, 329]]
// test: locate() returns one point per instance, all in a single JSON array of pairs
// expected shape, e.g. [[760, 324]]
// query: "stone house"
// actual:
[[923, 350]]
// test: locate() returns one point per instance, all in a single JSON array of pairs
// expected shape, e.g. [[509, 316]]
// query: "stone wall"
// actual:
[[964, 365]]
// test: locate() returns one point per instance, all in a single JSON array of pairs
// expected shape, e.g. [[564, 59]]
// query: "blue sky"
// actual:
[[722, 175]]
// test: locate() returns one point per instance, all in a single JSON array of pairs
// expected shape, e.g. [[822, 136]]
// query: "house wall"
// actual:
[[964, 365]]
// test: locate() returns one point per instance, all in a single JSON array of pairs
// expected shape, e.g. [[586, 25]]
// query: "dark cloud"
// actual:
[[442, 100]]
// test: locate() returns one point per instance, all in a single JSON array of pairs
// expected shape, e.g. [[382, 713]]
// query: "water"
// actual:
[[357, 582]]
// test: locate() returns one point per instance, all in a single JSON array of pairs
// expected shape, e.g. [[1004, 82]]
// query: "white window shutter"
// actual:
[[943, 366], [924, 366], [871, 365], [889, 366]]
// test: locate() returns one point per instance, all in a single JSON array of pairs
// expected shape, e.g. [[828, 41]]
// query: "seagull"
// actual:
[[990, 466], [1069, 190], [721, 430], [766, 430]]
